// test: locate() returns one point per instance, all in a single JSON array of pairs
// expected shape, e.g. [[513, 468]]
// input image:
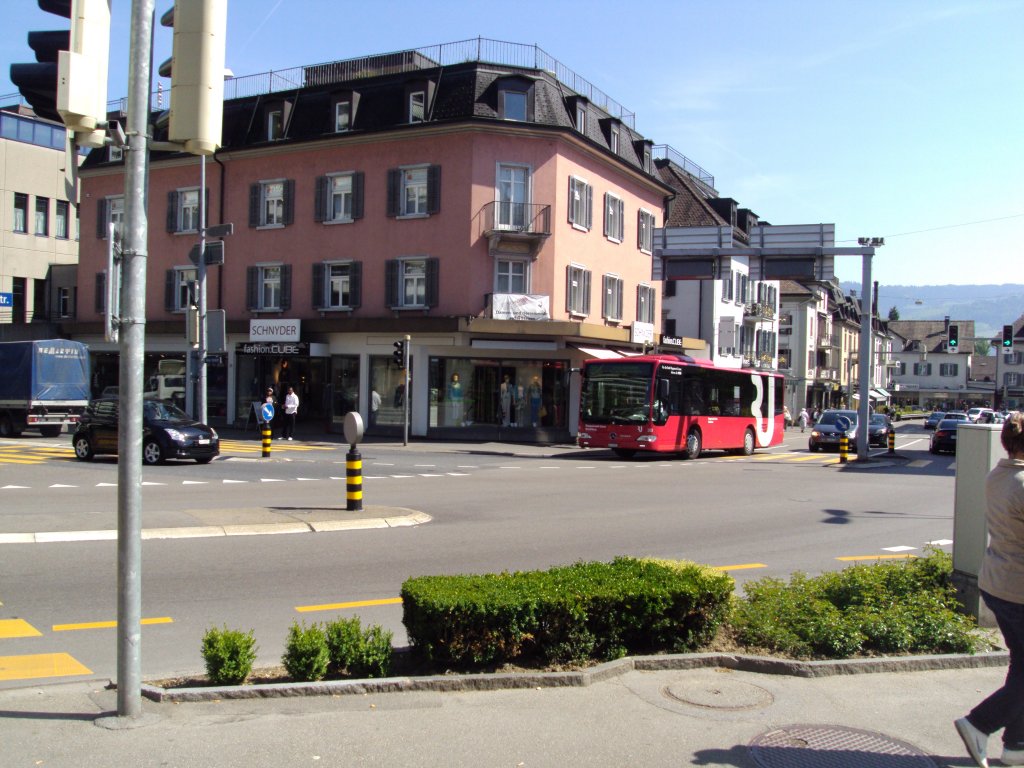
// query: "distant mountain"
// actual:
[[989, 306]]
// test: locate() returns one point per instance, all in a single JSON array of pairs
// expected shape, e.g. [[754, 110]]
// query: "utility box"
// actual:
[[977, 451]]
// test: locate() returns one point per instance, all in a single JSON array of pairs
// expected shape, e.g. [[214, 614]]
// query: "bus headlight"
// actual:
[[583, 436], [647, 438]]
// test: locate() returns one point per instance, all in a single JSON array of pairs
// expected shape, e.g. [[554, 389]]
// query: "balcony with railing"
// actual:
[[829, 341], [516, 226], [758, 310], [759, 362]]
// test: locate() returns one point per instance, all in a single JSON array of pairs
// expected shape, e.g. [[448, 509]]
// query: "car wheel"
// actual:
[[693, 445], [624, 453], [204, 460], [152, 453], [813, 448], [748, 442], [83, 448]]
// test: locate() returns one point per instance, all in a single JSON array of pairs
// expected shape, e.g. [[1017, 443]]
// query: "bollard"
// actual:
[[353, 480], [266, 440], [844, 448], [892, 442]]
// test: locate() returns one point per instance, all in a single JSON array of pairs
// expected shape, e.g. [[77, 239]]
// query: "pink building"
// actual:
[[501, 219]]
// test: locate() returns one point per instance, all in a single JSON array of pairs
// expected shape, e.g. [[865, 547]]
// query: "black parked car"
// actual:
[[167, 433], [879, 429], [933, 419], [944, 438], [828, 430]]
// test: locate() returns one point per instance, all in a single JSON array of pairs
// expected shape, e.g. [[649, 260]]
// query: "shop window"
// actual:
[[387, 391]]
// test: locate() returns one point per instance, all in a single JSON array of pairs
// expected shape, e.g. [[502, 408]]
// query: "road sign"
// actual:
[[214, 360], [214, 253], [220, 230], [267, 412]]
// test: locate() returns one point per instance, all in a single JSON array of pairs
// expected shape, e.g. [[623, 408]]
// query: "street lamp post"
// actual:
[[866, 350]]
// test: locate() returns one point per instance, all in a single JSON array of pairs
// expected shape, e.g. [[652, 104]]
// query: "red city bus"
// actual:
[[675, 403]]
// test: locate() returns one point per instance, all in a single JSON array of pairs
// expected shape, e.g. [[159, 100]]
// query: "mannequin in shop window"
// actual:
[[534, 393], [454, 397], [507, 400]]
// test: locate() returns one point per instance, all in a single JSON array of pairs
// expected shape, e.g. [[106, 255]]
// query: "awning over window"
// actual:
[[872, 395], [601, 354], [884, 393]]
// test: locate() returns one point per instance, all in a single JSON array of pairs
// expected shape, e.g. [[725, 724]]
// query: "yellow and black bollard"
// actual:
[[353, 480], [892, 442], [266, 439], [844, 448]]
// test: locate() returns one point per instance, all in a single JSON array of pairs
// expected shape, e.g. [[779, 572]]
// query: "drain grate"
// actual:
[[830, 746]]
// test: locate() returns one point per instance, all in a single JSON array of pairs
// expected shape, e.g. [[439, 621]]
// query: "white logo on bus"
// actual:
[[764, 436]]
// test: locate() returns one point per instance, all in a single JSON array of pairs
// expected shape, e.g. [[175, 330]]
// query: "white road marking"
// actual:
[[901, 548]]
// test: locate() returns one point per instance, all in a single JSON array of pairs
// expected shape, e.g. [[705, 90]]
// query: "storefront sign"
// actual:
[[6, 299], [252, 348], [642, 333], [519, 306], [274, 330], [671, 341]]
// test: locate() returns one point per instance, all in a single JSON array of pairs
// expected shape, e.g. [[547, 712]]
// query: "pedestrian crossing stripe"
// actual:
[[17, 628], [40, 665]]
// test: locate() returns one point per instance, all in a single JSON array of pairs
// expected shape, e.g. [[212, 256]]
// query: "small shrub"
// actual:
[[306, 656], [229, 655], [358, 652]]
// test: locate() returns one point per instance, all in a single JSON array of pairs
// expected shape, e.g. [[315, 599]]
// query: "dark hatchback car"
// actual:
[[167, 433], [879, 429], [828, 430], [933, 419], [944, 438]]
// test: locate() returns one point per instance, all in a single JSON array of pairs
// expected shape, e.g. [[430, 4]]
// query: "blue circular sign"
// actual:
[[267, 412]]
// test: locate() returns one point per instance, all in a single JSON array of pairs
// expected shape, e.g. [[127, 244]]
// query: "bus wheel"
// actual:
[[748, 442], [624, 453], [693, 445]]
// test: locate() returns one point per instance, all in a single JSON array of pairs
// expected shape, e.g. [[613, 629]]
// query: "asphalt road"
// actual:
[[492, 507]]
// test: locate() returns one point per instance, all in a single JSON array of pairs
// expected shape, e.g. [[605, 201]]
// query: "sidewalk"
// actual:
[[708, 716]]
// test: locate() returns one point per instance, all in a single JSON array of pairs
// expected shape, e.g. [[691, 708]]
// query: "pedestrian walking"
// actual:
[[291, 408], [802, 418], [1001, 583], [787, 417]]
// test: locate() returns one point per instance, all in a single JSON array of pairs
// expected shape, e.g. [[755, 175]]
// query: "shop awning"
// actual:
[[872, 395], [884, 394], [598, 352]]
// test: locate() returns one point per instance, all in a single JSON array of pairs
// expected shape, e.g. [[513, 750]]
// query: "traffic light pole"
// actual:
[[132, 341], [201, 276]]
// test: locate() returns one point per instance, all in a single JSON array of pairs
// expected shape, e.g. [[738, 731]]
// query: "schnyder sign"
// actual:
[[274, 330]]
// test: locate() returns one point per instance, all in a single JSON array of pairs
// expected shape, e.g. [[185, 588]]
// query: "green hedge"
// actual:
[[884, 608], [573, 613]]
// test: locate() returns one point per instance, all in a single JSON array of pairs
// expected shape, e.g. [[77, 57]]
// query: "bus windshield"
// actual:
[[617, 393]]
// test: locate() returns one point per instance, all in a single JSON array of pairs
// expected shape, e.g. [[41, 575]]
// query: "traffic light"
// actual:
[[953, 338], [1007, 337], [196, 69], [69, 82], [399, 354]]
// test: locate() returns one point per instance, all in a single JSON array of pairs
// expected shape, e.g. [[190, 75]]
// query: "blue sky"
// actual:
[[894, 119]]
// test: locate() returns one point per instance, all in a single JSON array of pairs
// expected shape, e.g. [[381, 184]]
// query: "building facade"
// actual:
[[39, 225], [501, 220]]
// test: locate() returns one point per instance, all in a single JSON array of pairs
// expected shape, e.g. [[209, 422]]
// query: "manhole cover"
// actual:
[[830, 746], [717, 691]]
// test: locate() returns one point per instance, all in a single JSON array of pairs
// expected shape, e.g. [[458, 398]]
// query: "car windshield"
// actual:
[[950, 423], [157, 410], [878, 420], [829, 417]]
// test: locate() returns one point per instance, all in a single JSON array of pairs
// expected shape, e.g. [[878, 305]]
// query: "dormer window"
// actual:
[[342, 116], [513, 105], [581, 118], [275, 124], [613, 139], [417, 106]]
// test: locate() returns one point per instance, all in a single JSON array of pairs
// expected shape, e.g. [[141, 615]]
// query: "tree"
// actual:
[[982, 347], [894, 314]]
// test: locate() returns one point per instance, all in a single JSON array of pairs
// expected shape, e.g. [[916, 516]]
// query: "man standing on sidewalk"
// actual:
[[291, 407]]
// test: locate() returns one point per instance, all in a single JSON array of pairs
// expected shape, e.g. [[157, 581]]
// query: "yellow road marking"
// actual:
[[770, 456], [40, 665], [875, 557], [741, 567], [7, 460], [17, 628], [354, 604], [107, 624], [809, 458]]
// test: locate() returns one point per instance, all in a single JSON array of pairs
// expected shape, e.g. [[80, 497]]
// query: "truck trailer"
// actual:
[[44, 385]]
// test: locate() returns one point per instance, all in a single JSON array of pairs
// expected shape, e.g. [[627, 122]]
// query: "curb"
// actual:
[[608, 670]]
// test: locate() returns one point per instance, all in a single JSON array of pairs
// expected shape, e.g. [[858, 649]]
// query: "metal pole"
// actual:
[[865, 356], [201, 274], [405, 400], [132, 357]]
